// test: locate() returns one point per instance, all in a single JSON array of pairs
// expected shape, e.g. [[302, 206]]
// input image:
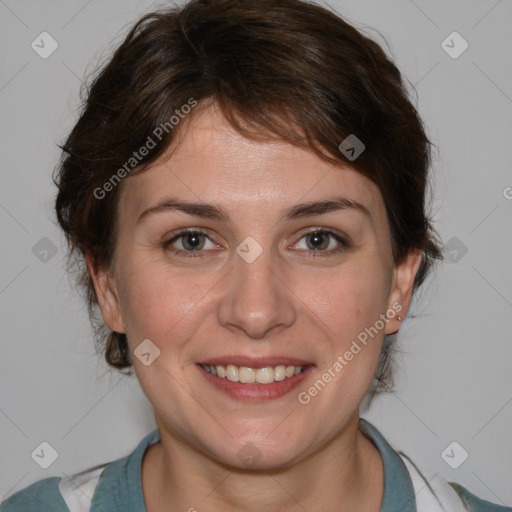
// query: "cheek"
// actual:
[[161, 304], [348, 300], [346, 305]]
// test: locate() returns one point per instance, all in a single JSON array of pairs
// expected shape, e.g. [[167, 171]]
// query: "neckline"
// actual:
[[120, 484]]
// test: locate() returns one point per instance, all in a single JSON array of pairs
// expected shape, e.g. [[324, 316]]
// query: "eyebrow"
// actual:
[[214, 212]]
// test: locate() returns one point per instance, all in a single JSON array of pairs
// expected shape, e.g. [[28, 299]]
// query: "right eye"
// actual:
[[190, 240]]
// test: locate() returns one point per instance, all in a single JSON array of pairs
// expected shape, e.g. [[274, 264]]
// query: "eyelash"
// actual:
[[344, 244]]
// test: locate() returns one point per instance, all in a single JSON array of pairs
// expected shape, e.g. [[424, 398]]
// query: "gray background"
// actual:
[[453, 381]]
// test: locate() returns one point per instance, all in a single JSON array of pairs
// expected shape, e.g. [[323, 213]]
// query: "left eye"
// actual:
[[323, 241]]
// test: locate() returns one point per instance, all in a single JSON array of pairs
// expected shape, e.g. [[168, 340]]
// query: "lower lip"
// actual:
[[256, 392]]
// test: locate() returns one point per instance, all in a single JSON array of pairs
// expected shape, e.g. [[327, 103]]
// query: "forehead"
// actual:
[[211, 162]]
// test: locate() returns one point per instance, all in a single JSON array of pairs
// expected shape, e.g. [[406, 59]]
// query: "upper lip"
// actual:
[[255, 362]]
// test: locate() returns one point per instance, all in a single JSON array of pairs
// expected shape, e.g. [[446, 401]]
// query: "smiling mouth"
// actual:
[[246, 375]]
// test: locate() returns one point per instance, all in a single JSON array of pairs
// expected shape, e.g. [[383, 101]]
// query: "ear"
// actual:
[[108, 298], [402, 288]]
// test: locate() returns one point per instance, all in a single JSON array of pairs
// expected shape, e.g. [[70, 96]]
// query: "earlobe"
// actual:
[[401, 292], [106, 292]]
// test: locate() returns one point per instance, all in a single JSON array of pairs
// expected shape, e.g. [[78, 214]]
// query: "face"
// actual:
[[257, 282]]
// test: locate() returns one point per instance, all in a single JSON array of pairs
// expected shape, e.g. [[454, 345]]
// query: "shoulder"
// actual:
[[436, 493], [57, 494], [107, 487], [41, 496]]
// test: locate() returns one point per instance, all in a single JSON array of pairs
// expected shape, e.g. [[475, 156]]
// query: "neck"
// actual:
[[346, 474]]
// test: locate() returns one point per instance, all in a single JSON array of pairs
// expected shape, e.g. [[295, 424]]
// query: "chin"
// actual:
[[257, 453]]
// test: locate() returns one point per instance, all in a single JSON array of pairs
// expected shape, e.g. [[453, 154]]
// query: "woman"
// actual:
[[245, 188]]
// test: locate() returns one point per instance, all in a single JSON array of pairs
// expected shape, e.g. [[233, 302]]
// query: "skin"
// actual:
[[287, 302]]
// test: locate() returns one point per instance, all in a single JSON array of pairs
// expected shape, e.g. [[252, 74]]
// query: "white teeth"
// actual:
[[232, 373], [221, 371], [246, 375], [265, 375], [280, 372]]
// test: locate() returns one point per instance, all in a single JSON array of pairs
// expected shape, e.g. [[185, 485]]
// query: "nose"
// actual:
[[256, 299]]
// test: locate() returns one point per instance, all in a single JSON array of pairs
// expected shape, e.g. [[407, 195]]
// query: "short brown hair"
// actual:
[[283, 69]]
